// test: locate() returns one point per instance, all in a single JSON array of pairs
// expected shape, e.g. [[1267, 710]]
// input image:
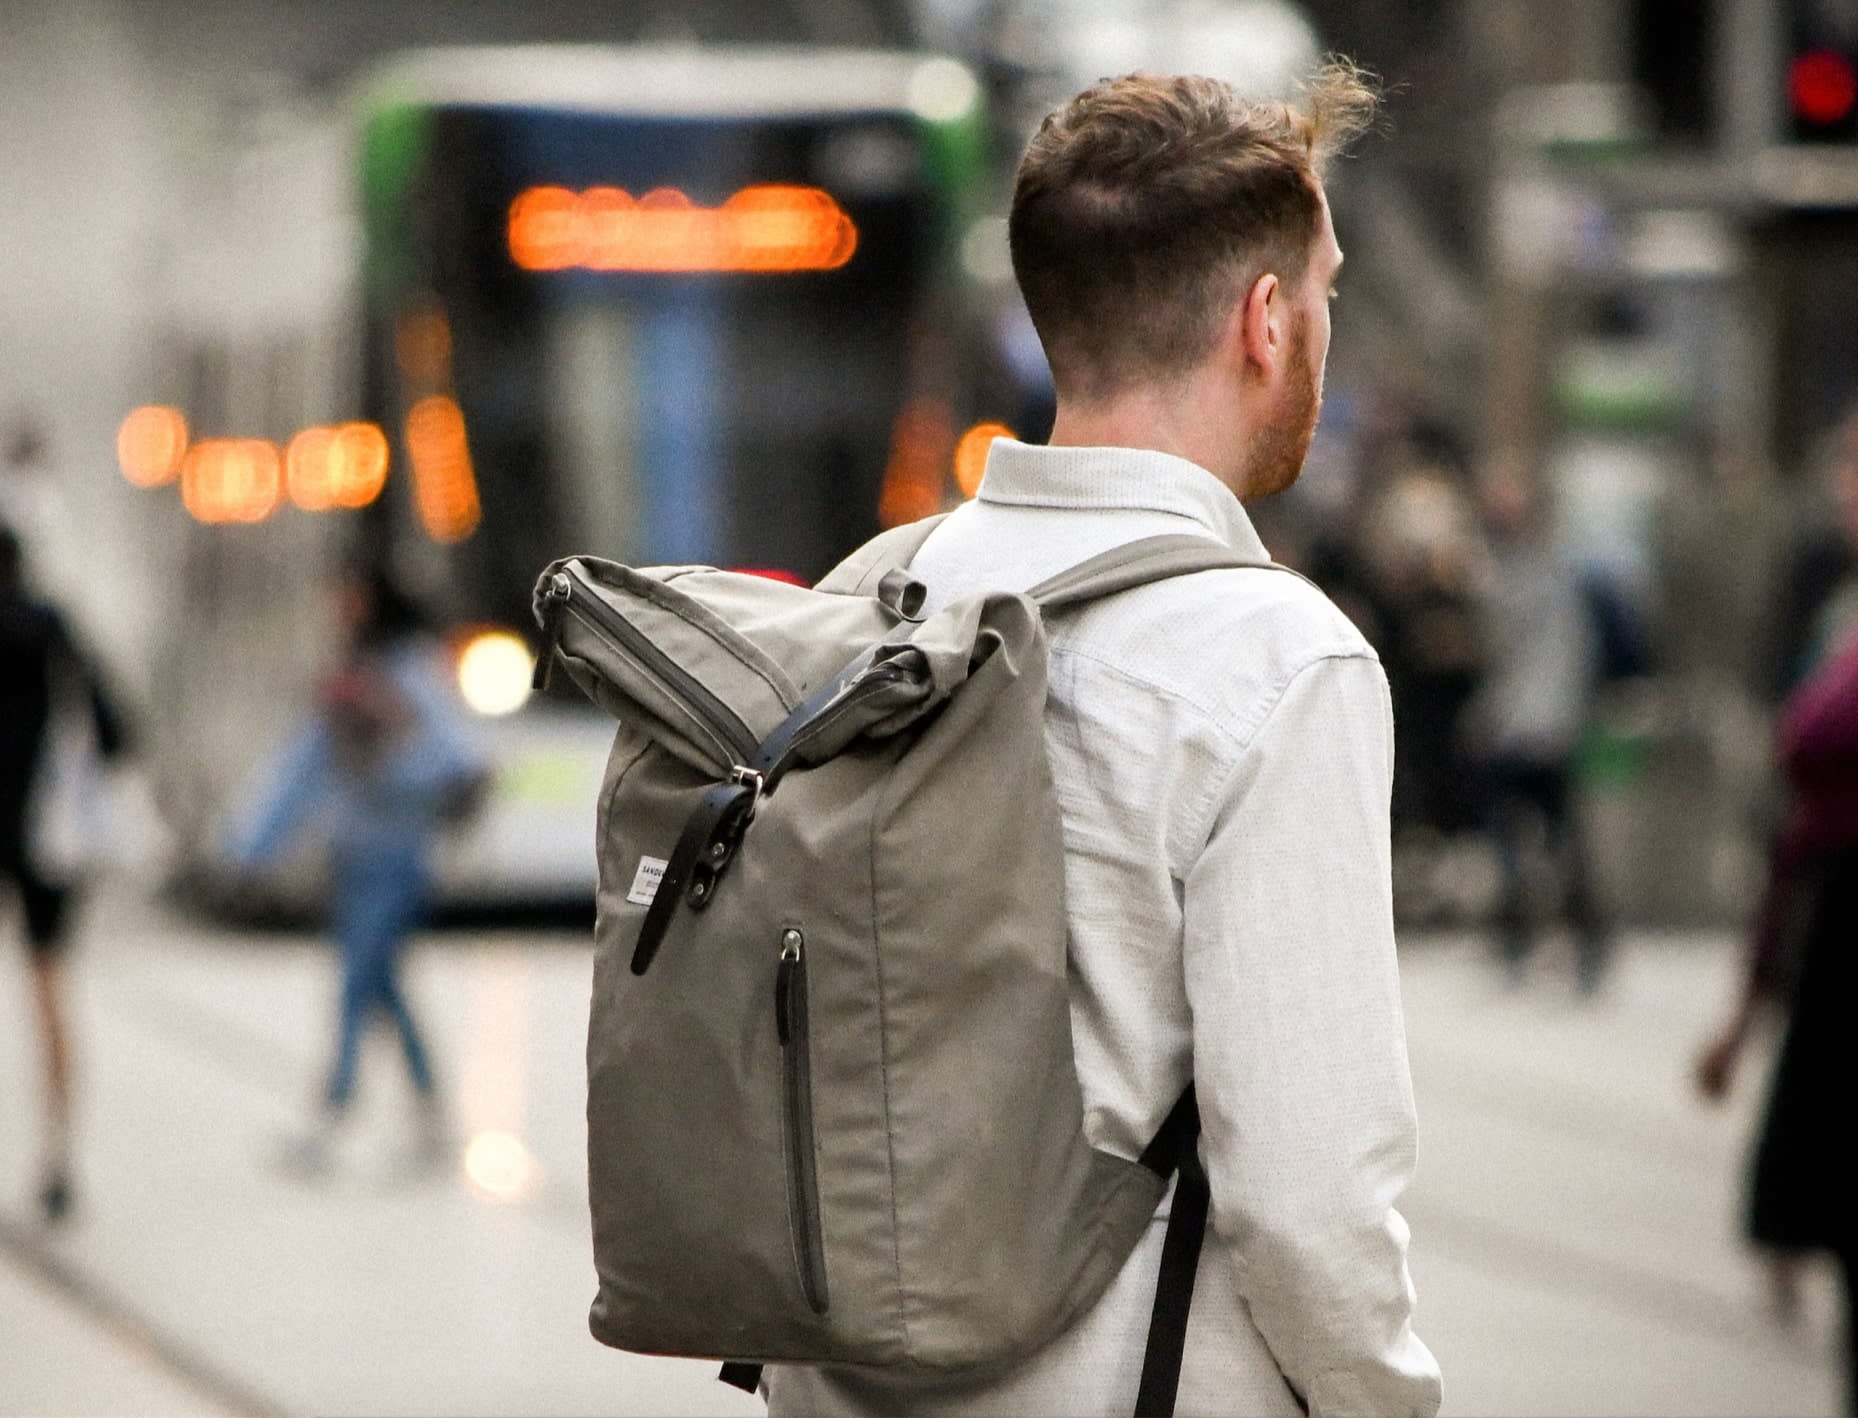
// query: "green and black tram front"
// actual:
[[655, 339]]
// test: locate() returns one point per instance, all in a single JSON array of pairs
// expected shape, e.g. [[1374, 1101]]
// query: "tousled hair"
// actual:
[[1147, 204]]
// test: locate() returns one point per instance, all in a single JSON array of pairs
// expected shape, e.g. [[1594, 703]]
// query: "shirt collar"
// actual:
[[1127, 479]]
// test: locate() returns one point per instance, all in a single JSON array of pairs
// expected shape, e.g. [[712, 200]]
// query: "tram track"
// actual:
[[257, 1063], [128, 1327]]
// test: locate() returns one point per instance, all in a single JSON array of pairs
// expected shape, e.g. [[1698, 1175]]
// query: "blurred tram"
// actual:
[[663, 305]]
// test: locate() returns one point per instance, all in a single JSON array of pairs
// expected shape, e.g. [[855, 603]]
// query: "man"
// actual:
[[1221, 745], [36, 654]]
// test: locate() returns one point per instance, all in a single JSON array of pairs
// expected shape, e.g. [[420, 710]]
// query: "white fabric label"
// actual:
[[645, 881]]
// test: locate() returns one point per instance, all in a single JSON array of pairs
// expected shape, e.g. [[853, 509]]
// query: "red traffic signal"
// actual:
[[1822, 87]]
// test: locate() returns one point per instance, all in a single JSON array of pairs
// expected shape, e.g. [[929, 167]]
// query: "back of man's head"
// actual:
[[1148, 204]]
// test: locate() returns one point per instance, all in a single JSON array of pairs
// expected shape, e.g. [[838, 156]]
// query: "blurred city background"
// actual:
[[303, 293]]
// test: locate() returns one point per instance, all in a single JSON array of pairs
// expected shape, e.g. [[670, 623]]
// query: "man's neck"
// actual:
[[1166, 421]]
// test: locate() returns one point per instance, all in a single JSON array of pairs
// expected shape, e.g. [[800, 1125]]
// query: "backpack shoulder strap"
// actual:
[[1137, 564], [889, 551]]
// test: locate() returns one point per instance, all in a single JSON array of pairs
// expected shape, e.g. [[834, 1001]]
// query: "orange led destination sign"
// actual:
[[766, 229]]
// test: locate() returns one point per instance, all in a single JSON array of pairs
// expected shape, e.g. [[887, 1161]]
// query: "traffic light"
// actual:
[[1822, 71]]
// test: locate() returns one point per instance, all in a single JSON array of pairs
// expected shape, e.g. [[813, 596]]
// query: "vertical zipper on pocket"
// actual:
[[797, 1119]]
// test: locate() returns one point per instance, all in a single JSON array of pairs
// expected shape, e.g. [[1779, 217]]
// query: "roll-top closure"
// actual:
[[711, 664]]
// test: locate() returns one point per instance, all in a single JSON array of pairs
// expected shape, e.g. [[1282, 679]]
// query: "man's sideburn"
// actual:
[[1277, 458]]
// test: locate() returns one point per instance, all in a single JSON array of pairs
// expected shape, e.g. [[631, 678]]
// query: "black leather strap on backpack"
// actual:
[[703, 849], [746, 1377], [1175, 1148]]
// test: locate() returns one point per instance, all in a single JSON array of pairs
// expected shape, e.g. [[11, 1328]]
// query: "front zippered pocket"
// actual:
[[790, 1023], [719, 723]]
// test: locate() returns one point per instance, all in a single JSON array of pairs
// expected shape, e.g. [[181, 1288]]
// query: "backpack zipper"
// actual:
[[716, 718], [790, 1024]]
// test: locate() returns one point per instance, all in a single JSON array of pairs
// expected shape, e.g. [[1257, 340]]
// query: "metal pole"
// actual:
[[1746, 68]]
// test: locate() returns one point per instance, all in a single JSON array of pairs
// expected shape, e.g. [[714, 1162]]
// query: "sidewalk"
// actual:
[[1576, 1213], [1573, 1219], [372, 1293]]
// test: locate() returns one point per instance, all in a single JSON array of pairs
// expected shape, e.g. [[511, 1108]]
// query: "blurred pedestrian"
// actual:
[[40, 666], [382, 767], [1819, 575], [1803, 964], [1524, 726], [1421, 550], [1222, 748]]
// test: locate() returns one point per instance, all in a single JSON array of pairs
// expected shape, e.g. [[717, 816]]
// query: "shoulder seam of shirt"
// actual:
[[1267, 701], [1217, 784]]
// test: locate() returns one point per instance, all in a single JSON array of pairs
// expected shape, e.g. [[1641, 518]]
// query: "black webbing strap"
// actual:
[[746, 1377], [1177, 1143]]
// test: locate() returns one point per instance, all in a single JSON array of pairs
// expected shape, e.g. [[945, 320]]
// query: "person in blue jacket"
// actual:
[[383, 766]]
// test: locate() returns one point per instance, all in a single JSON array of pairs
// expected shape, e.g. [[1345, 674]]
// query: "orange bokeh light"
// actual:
[[340, 466], [916, 473], [151, 444], [971, 454], [773, 227], [444, 485], [232, 480]]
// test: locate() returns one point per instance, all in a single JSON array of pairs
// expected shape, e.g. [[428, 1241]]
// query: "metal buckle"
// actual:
[[756, 783]]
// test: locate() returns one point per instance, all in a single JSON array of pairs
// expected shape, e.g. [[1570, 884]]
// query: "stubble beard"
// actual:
[[1277, 457]]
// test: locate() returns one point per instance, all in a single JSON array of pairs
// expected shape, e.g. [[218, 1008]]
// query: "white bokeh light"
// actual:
[[501, 1168], [494, 670], [942, 90]]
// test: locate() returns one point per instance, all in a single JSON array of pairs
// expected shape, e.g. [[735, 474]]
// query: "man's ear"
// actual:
[[1259, 332]]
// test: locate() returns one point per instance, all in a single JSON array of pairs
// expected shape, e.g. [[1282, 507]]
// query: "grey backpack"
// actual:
[[833, 1115]]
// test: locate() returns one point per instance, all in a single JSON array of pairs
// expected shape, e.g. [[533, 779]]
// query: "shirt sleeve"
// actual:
[[297, 790], [1300, 1060], [1819, 725], [442, 752]]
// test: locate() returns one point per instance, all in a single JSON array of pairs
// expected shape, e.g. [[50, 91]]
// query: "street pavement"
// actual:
[[1574, 1215]]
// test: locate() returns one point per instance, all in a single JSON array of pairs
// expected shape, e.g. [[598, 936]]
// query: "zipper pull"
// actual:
[[792, 946], [559, 589]]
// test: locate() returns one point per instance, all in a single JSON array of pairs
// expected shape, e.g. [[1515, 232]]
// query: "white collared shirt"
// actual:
[[1222, 749]]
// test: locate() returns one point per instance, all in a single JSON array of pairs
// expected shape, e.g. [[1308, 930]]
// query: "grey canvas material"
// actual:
[[836, 1119]]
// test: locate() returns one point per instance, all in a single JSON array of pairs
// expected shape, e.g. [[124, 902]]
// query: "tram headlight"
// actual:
[[493, 672]]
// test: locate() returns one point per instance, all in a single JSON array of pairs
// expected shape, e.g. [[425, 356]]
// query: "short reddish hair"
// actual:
[[1147, 204]]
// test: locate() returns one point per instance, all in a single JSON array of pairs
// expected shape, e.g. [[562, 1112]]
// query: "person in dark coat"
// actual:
[[39, 663], [1803, 959]]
